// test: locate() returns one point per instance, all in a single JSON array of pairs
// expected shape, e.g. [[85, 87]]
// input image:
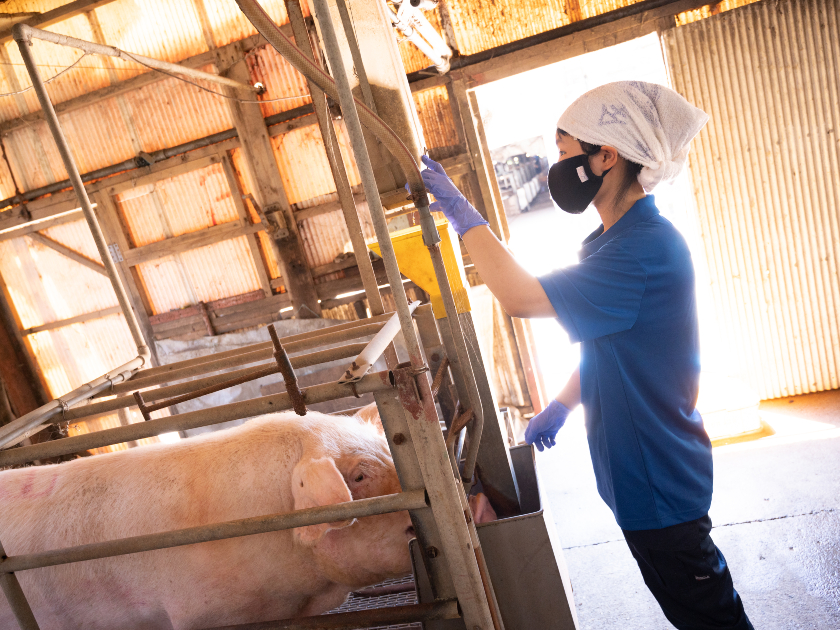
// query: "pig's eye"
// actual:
[[359, 478]]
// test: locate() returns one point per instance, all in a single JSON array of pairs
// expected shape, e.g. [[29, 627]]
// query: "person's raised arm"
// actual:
[[518, 291]]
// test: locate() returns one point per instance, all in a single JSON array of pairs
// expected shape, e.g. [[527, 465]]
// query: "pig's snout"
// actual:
[[410, 533]]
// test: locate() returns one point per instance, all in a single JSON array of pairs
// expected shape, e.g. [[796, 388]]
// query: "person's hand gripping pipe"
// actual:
[[544, 426], [454, 206]]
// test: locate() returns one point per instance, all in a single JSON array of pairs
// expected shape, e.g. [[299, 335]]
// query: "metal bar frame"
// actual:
[[458, 538], [194, 419], [191, 387], [358, 508]]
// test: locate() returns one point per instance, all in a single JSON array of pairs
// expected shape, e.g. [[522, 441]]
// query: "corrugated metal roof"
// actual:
[[165, 113], [766, 74], [48, 287], [280, 79], [435, 113], [73, 355], [709, 10], [179, 205], [303, 163], [483, 25]]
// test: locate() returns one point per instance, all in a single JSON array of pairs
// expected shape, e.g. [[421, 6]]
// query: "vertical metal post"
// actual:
[[23, 37], [354, 129], [339, 173], [17, 600]]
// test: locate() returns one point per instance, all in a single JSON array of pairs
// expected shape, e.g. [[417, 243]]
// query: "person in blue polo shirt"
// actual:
[[630, 303]]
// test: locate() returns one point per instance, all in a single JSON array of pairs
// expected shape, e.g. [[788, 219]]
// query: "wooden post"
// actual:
[[473, 134], [267, 187], [18, 372], [116, 235]]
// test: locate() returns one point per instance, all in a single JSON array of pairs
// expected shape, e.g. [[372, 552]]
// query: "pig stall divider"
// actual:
[[448, 552]]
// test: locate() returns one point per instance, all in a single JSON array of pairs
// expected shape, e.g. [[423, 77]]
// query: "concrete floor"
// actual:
[[776, 510], [776, 505]]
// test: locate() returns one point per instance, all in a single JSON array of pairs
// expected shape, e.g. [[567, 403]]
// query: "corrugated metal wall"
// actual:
[[767, 183]]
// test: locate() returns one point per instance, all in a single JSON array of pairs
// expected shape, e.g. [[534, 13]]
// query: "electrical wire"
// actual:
[[201, 87], [52, 78], [169, 74]]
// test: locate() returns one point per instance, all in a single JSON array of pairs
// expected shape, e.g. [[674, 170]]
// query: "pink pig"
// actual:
[[271, 464]]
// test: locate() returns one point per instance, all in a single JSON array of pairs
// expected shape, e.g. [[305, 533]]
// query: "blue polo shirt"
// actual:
[[630, 303]]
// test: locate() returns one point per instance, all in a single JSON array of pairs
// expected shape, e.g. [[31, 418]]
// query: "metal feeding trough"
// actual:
[[526, 566], [525, 561]]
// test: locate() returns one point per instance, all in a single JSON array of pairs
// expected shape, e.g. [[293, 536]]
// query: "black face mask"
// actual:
[[573, 185]]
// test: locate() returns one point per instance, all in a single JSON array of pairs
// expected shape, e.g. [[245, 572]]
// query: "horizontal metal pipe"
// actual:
[[151, 395], [375, 382], [157, 156], [29, 424], [294, 343], [320, 332], [375, 618], [375, 348], [256, 356], [24, 32], [412, 500]]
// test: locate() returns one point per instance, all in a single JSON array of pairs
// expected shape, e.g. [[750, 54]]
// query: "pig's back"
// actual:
[[237, 473]]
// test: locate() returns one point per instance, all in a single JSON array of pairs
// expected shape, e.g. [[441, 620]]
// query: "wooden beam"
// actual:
[[68, 253], [267, 187], [116, 235], [485, 203], [191, 240], [324, 208], [59, 14], [151, 175], [486, 173], [563, 43], [78, 319], [25, 389], [245, 218]]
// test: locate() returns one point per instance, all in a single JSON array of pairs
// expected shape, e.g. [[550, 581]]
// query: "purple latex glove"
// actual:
[[450, 201], [544, 426]]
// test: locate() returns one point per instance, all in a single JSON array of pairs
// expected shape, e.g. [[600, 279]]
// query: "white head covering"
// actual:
[[649, 124]]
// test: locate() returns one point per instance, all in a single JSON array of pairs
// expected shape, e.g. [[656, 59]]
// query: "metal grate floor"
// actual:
[[355, 603]]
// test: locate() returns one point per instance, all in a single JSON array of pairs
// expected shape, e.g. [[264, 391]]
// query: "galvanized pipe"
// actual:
[[377, 381], [29, 423], [413, 500], [293, 343], [354, 112], [262, 353], [122, 402], [374, 618], [36, 420], [339, 173], [17, 600], [354, 129], [374, 349], [22, 32]]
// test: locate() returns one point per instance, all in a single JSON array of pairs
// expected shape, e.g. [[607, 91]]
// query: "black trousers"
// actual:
[[688, 576]]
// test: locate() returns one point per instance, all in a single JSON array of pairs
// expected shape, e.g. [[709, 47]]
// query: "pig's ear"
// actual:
[[370, 414], [317, 482]]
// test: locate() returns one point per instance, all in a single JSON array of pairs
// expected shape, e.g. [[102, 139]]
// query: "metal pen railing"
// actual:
[[443, 493]]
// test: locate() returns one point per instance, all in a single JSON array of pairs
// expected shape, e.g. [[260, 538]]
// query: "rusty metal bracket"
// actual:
[[296, 395], [141, 404], [438, 380]]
